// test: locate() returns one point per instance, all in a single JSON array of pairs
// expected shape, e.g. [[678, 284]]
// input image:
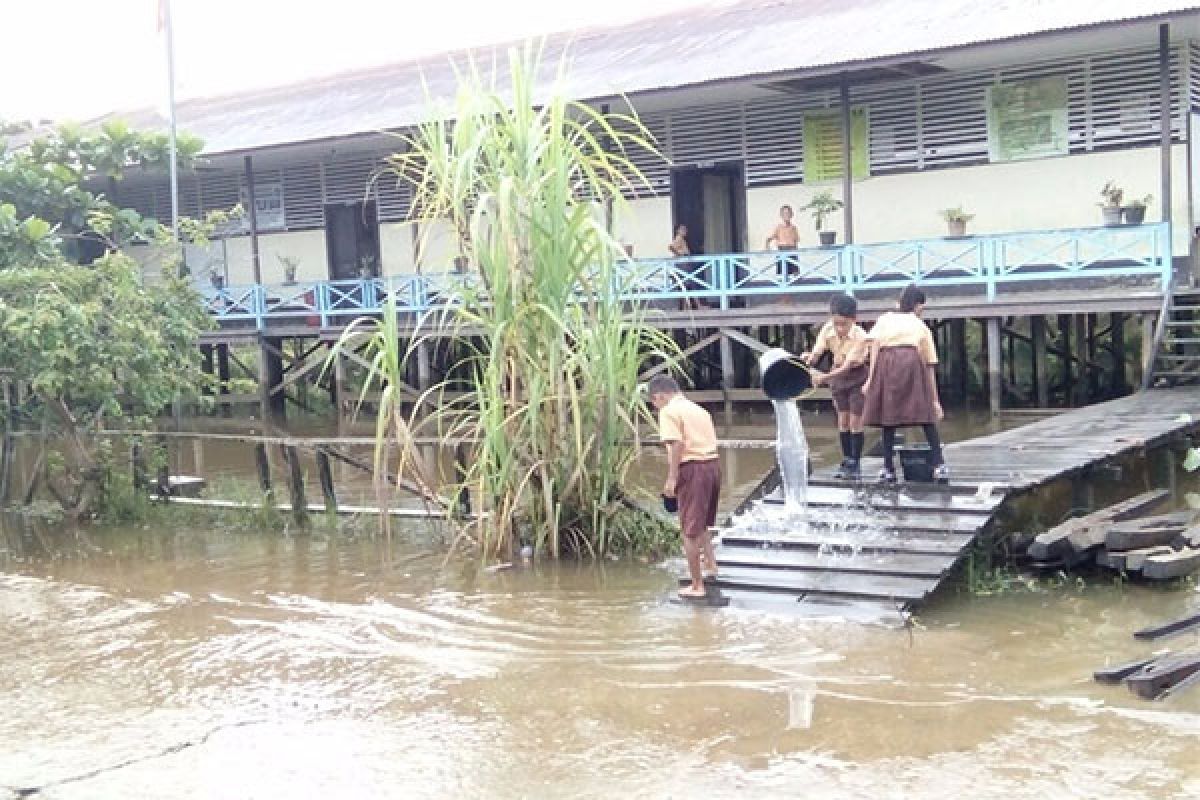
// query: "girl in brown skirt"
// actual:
[[901, 388]]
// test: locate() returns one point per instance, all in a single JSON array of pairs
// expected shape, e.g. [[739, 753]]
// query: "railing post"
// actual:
[[258, 301], [321, 291], [990, 255], [723, 279], [848, 267]]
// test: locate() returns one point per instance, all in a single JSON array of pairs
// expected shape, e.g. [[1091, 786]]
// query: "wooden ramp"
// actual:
[[894, 546]]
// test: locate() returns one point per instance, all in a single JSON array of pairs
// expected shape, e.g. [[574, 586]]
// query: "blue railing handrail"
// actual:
[[986, 261]]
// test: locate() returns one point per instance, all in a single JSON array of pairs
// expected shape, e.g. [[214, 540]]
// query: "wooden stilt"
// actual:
[[959, 359], [9, 446], [727, 377], [223, 378], [1081, 351], [270, 375], [1120, 380], [1093, 378], [1147, 343], [995, 368], [1064, 362], [1041, 385]]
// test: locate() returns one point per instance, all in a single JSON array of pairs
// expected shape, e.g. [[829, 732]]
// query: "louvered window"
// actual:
[[302, 197], [346, 181], [774, 142]]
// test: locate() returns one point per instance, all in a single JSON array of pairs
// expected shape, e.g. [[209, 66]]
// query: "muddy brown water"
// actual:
[[200, 663]]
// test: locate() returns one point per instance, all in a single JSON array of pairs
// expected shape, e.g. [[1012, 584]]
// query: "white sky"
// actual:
[[106, 55]]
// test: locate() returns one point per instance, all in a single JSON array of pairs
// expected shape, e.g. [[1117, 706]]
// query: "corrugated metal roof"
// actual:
[[714, 43]]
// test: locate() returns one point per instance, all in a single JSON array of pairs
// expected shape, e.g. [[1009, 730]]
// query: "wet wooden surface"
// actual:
[[900, 543]]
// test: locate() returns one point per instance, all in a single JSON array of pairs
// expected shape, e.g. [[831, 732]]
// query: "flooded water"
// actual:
[[201, 663]]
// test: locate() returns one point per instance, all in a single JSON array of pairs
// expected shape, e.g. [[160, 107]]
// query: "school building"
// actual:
[[1019, 113]]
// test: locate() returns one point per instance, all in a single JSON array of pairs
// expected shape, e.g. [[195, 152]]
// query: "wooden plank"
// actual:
[[1149, 532], [1159, 676], [899, 588], [898, 500], [296, 485], [1171, 565], [1130, 560], [1114, 675], [1087, 532], [1169, 628], [878, 542], [867, 563]]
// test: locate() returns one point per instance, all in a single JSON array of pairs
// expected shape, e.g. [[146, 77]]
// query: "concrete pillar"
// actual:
[[727, 377], [1148, 330]]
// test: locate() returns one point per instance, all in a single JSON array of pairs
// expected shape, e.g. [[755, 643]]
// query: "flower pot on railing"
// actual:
[[1111, 215], [828, 238], [460, 263], [1134, 215], [956, 228]]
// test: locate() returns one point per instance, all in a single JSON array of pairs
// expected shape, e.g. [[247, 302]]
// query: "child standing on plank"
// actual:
[[693, 474], [842, 338], [901, 388]]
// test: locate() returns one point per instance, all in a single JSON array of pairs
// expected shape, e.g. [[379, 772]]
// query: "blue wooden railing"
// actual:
[[987, 263]]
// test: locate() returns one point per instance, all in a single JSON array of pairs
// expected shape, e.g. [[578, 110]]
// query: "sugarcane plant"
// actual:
[[546, 400]]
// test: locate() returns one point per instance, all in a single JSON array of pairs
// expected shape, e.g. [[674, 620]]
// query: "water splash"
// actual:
[[791, 450]]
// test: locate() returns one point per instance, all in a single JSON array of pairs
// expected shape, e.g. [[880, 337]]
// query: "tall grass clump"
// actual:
[[552, 347]]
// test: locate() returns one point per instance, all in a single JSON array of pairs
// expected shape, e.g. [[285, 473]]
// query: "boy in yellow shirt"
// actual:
[[693, 473], [847, 343]]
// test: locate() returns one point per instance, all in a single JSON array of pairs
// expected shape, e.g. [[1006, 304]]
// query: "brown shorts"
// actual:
[[698, 490], [847, 390]]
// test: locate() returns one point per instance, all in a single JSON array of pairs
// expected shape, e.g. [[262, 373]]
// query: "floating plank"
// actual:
[[1149, 531], [1114, 675], [1171, 565], [874, 563], [1169, 628], [1081, 534], [1153, 680]]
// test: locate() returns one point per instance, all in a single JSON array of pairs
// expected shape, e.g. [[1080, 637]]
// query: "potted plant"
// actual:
[[821, 205], [1135, 212], [1111, 207], [289, 268], [956, 221]]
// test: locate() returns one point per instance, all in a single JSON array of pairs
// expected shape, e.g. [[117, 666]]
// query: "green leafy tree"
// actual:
[[80, 328], [67, 180], [94, 343]]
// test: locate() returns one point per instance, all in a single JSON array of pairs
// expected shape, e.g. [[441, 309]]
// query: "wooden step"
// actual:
[[930, 544], [867, 563], [902, 498], [842, 584]]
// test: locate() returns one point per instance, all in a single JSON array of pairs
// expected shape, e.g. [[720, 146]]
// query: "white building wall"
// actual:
[[644, 223], [397, 248], [1015, 196]]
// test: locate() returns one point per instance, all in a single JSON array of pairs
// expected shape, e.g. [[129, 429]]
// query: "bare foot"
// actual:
[[692, 591]]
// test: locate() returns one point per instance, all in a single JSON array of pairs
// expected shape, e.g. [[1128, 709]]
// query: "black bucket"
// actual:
[[784, 375], [916, 461]]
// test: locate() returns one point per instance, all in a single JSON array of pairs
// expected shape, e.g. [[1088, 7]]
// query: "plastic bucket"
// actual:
[[784, 376], [916, 460]]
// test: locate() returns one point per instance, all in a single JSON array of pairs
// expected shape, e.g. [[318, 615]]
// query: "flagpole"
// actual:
[[173, 165]]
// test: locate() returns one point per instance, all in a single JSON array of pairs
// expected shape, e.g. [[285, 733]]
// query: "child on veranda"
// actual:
[[901, 389], [846, 342]]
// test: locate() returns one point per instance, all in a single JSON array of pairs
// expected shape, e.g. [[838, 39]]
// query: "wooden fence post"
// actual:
[[296, 485], [264, 469], [325, 473]]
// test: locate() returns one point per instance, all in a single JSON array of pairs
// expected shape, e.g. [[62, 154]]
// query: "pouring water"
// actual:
[[791, 450]]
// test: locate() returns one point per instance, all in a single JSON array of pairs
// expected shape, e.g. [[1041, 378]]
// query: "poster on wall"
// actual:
[[823, 145], [1027, 119], [268, 207]]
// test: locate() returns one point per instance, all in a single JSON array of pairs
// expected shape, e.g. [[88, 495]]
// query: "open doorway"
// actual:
[[711, 202], [352, 240]]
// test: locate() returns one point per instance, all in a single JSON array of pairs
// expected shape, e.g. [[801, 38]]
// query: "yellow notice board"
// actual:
[[823, 145]]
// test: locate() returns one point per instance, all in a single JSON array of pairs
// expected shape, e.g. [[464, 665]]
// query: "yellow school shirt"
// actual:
[[852, 346], [681, 420], [904, 329]]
